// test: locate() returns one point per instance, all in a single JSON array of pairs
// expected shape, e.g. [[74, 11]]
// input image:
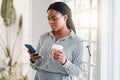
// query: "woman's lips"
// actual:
[[53, 27]]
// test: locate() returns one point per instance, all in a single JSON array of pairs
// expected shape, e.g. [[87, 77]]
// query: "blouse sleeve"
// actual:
[[35, 64], [74, 67]]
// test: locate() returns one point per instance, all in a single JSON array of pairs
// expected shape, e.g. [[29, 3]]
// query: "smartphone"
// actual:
[[30, 47]]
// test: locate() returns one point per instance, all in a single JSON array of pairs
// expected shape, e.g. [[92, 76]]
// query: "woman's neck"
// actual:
[[61, 33]]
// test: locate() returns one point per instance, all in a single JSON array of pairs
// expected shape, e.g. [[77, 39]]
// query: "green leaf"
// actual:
[[8, 12]]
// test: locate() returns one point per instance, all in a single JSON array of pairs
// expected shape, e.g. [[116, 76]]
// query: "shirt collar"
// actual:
[[71, 34]]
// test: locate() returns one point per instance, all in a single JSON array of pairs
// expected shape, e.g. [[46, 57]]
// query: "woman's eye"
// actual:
[[48, 18], [55, 18]]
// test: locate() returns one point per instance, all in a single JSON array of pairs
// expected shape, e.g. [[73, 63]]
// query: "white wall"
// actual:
[[39, 22], [39, 19]]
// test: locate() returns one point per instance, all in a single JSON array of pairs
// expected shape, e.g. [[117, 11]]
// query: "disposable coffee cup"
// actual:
[[56, 47]]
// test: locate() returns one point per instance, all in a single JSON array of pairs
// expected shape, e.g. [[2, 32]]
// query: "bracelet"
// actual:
[[65, 62]]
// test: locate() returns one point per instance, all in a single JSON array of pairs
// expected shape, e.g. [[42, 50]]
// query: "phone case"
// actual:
[[30, 48]]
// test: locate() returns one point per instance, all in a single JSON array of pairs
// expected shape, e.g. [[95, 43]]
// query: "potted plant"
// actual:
[[8, 67]]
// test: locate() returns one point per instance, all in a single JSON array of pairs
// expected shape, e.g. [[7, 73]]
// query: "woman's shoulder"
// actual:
[[45, 34], [75, 36]]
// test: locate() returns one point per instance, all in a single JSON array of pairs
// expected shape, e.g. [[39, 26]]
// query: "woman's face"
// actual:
[[56, 20]]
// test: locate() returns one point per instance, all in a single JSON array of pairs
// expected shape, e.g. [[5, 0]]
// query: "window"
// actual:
[[85, 17]]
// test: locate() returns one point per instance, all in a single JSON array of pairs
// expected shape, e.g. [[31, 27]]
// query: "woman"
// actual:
[[62, 64]]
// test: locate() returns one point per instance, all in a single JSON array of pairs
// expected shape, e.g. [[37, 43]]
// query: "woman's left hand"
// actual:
[[60, 56]]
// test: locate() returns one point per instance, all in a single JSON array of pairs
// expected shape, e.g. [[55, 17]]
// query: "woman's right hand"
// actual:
[[33, 56]]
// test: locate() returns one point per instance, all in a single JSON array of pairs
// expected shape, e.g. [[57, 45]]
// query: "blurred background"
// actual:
[[97, 24]]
